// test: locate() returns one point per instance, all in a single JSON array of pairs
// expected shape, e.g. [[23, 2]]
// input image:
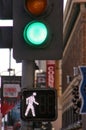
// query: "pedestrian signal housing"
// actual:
[[39, 105]]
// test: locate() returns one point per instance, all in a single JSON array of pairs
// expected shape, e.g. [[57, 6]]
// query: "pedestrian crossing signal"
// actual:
[[39, 105]]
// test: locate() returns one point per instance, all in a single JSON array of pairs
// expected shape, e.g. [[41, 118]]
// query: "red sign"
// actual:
[[10, 87], [50, 73], [6, 107], [10, 97]]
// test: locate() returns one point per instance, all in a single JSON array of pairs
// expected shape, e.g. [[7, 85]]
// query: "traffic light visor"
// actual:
[[36, 7], [35, 33]]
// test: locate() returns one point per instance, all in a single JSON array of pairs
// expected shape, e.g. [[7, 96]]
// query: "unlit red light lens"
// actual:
[[36, 7]]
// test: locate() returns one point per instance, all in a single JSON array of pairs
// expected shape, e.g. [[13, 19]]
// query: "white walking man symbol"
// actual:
[[30, 101]]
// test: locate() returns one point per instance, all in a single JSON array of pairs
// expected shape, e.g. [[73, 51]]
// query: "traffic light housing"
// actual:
[[39, 105], [6, 37], [6, 7], [37, 29]]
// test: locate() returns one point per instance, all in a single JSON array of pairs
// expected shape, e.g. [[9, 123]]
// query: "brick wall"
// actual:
[[75, 55]]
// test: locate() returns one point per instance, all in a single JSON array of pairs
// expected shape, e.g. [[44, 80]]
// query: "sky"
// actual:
[[4, 55], [4, 63]]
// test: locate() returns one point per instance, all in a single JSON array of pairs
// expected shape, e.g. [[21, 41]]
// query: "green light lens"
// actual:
[[35, 33]]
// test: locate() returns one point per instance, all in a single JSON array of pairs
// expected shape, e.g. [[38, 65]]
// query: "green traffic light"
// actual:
[[35, 33]]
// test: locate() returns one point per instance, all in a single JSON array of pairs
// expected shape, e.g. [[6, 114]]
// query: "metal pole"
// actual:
[[28, 69], [9, 62]]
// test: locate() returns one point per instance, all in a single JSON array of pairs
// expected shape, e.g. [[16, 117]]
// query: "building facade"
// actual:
[[74, 55]]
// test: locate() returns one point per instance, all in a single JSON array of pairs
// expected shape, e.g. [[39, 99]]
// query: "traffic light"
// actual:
[[39, 105], [6, 9], [37, 29], [6, 37], [5, 32]]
